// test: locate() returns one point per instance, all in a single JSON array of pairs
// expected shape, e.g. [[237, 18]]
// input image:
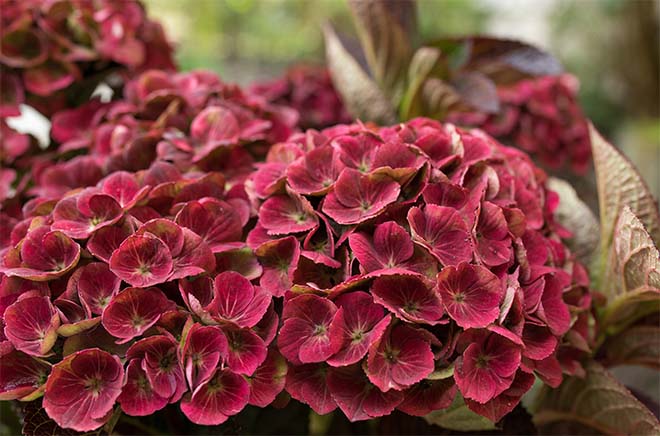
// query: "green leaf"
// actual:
[[387, 29], [619, 185], [361, 95], [575, 215], [639, 345], [597, 403], [459, 418]]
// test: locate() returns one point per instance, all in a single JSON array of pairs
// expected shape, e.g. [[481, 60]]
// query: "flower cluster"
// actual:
[[415, 261], [310, 91], [45, 47], [357, 267], [124, 273], [541, 116], [192, 120], [137, 290]]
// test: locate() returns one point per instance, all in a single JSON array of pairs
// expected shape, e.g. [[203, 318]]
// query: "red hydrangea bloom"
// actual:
[[82, 388], [309, 90], [166, 246], [212, 402], [358, 398], [487, 367], [396, 244], [268, 380], [357, 197], [305, 334], [137, 396], [202, 350], [541, 116], [471, 294], [47, 48], [236, 300], [31, 324], [131, 312], [20, 375], [360, 323], [42, 254], [401, 358]]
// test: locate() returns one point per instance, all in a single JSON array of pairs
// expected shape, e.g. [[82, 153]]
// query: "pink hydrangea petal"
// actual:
[[31, 325], [142, 260], [246, 350], [96, 286], [20, 374], [284, 214], [358, 197], [305, 336], [390, 246], [81, 389], [217, 222], [52, 252], [203, 348], [268, 380], [487, 367], [237, 301], [428, 396], [356, 397], [194, 258], [471, 294], [360, 323], [137, 397], [279, 259], [106, 240], [132, 311], [442, 230], [401, 358], [505, 402], [222, 395], [409, 298], [307, 384], [316, 172]]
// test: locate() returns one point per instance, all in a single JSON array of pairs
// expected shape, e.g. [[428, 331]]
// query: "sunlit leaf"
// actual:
[[619, 184], [634, 259], [596, 403], [360, 93], [576, 216]]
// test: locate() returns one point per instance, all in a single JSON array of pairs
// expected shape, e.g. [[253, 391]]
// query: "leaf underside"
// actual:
[[459, 417], [596, 403], [361, 95]]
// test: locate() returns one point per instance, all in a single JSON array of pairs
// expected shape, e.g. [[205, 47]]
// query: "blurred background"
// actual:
[[612, 46]]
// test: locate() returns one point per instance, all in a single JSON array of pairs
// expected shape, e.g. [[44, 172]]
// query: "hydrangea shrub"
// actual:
[[190, 245], [419, 249], [422, 260]]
